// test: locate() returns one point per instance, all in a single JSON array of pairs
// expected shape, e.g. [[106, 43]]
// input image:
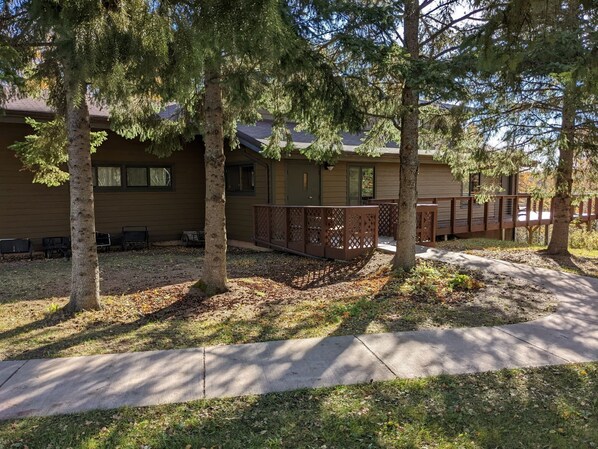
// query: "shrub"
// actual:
[[583, 239], [53, 308], [431, 282], [461, 281]]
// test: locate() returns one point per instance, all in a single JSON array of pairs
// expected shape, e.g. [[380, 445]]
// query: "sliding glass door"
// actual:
[[360, 185]]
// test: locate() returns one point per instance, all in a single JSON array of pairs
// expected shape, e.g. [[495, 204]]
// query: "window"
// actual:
[[240, 178], [106, 176], [473, 186], [360, 185], [159, 176], [135, 177]]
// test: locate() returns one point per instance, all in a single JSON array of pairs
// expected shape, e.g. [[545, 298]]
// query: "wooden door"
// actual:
[[303, 184]]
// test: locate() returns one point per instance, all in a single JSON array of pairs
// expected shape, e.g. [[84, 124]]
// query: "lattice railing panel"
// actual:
[[278, 219], [354, 230], [261, 223], [336, 228], [369, 240], [339, 232], [425, 226], [295, 224], [313, 217], [387, 219]]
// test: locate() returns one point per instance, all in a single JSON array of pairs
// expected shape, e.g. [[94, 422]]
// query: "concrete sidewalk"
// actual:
[[66, 385]]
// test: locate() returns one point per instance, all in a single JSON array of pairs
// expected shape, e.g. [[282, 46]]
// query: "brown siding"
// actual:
[[387, 180], [279, 180], [239, 208], [35, 211], [334, 185], [433, 180]]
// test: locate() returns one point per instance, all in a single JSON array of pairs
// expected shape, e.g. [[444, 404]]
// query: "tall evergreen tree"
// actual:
[[222, 71], [74, 50], [404, 59], [539, 91]]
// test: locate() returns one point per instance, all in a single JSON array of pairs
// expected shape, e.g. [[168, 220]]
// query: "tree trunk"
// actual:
[[409, 162], [559, 240], [85, 275], [214, 268]]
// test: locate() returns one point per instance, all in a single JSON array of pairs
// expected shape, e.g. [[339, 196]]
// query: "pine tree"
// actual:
[[539, 85], [226, 62], [74, 51], [403, 60]]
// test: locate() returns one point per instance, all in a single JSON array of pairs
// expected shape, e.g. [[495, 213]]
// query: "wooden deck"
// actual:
[[343, 232], [347, 232], [462, 215]]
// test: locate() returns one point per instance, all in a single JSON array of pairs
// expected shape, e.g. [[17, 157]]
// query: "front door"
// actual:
[[303, 184]]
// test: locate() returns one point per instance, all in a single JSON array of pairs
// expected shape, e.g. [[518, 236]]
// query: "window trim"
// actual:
[[94, 168], [472, 176], [123, 177], [360, 167], [240, 166], [464, 203]]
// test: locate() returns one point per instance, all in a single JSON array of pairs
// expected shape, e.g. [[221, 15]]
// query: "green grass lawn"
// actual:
[[150, 303], [555, 407]]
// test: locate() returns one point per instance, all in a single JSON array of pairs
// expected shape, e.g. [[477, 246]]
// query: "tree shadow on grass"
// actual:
[[300, 272], [170, 327], [534, 408], [135, 271], [164, 329], [575, 264]]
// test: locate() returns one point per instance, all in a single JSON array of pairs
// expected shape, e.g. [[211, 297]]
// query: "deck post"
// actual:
[[287, 227], [255, 232], [453, 214], [269, 234], [376, 228], [345, 233], [486, 206], [323, 229], [434, 224], [501, 208], [304, 221], [528, 207], [515, 211], [469, 213]]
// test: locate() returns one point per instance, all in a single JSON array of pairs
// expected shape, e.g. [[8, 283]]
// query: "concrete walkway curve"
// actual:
[[67, 385]]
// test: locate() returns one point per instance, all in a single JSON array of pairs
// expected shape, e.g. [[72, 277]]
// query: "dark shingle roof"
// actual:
[[257, 135], [37, 106], [252, 136]]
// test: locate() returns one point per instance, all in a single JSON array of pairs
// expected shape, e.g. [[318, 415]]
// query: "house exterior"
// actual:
[[133, 187]]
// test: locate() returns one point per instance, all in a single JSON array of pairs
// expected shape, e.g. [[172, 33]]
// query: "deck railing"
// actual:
[[342, 232], [462, 214], [426, 216]]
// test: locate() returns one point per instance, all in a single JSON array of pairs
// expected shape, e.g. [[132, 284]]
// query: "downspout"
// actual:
[[259, 160]]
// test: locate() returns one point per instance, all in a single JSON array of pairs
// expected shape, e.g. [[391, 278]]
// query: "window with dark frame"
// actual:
[[107, 176], [240, 178], [360, 185], [132, 177], [475, 181]]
